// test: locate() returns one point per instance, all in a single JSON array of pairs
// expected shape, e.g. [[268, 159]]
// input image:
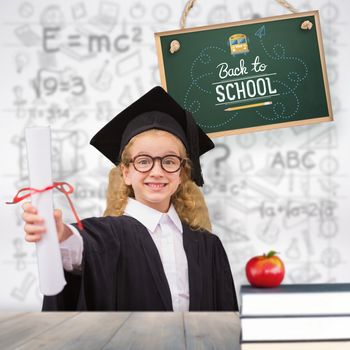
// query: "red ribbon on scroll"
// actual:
[[59, 185]]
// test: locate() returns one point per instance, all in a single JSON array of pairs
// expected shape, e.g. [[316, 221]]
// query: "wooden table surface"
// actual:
[[120, 330]]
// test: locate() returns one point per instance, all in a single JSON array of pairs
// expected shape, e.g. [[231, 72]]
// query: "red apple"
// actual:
[[265, 270]]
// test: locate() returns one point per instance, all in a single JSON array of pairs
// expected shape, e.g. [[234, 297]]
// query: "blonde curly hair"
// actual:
[[188, 199]]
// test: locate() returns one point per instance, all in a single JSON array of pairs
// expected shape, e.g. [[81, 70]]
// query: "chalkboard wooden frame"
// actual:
[[327, 116]]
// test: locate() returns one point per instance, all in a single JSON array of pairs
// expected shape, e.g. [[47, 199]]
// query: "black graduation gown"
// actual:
[[122, 271]]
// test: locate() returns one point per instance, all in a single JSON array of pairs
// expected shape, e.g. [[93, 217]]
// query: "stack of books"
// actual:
[[296, 317]]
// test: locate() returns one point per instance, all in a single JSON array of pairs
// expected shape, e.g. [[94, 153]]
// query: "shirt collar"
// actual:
[[150, 217]]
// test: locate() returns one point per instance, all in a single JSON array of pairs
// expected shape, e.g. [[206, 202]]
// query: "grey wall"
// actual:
[[286, 189]]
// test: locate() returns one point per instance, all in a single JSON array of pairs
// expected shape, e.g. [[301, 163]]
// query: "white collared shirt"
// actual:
[[167, 234]]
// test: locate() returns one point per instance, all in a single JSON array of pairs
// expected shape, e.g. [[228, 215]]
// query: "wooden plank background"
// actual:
[[120, 330]]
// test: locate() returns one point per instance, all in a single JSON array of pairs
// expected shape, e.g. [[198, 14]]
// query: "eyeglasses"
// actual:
[[169, 163]]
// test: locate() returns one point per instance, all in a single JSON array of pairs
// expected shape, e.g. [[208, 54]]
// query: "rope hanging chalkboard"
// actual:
[[175, 44], [249, 75]]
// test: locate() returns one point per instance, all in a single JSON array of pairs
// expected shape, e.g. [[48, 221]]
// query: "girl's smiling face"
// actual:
[[155, 187]]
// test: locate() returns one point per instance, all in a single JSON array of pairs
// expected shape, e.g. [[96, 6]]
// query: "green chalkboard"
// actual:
[[250, 75]]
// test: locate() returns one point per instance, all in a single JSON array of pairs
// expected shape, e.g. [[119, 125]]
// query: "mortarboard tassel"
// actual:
[[193, 144]]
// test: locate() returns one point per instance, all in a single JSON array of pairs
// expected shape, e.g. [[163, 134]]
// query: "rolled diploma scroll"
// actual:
[[51, 275]]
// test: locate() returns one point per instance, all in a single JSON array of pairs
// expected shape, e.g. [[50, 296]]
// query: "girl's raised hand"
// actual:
[[35, 226]]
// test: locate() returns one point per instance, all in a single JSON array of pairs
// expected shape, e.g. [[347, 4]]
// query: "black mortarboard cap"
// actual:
[[154, 110]]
